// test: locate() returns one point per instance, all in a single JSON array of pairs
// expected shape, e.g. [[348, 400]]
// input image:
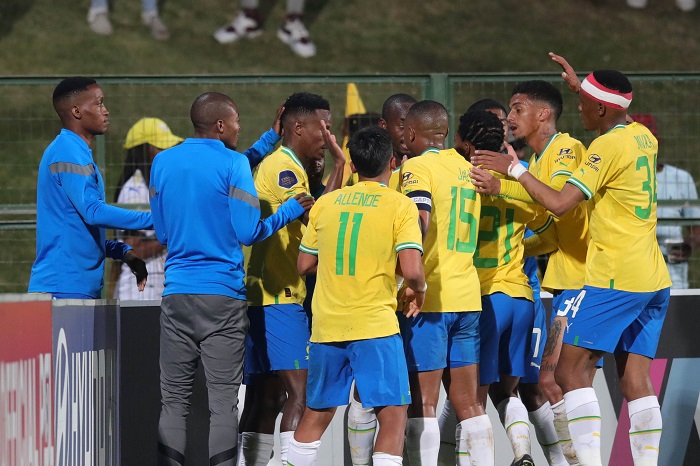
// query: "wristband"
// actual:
[[425, 288], [516, 170]]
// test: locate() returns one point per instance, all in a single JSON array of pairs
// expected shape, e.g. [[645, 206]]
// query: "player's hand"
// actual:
[[332, 145], [306, 200], [485, 182], [568, 72], [138, 268], [412, 301], [492, 161], [277, 124]]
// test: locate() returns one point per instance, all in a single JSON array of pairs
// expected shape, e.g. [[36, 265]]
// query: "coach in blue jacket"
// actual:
[[204, 205], [71, 212]]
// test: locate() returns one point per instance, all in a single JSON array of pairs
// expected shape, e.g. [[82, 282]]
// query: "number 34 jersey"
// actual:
[[618, 176], [439, 182], [357, 232]]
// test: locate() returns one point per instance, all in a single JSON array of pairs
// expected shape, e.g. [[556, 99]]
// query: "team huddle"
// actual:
[[417, 272]]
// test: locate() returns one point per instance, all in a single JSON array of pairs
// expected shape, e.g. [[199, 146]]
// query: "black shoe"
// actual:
[[524, 461]]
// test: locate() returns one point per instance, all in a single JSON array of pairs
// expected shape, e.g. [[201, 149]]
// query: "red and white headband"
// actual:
[[609, 97]]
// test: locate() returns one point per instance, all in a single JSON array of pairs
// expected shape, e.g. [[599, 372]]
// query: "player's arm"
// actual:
[[336, 177], [266, 144], [307, 261], [543, 241], [80, 185], [244, 207], [557, 202], [568, 73], [144, 246]]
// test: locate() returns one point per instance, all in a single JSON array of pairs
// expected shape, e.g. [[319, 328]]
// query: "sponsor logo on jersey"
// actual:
[[593, 161], [406, 176], [287, 179]]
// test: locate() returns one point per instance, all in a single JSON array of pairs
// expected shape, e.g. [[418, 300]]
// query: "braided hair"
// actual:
[[482, 129]]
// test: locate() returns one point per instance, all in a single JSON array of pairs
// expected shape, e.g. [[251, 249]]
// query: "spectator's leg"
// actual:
[[98, 17]]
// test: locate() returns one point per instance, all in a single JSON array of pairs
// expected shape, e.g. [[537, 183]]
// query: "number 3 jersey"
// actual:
[[357, 232], [618, 176], [439, 182]]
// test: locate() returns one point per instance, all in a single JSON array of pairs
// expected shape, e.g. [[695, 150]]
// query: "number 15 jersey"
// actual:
[[439, 182]]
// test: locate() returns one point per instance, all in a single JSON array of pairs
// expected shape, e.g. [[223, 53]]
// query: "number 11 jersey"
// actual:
[[439, 182]]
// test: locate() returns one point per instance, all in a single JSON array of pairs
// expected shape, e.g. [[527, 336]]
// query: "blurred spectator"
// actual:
[[674, 184], [248, 24], [98, 19], [683, 5], [147, 138]]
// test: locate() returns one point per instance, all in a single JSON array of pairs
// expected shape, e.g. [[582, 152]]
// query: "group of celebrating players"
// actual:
[[442, 234]]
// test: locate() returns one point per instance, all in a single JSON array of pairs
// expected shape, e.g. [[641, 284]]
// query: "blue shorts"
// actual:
[[278, 339], [617, 321], [435, 340], [506, 327], [537, 344], [562, 306], [378, 366]]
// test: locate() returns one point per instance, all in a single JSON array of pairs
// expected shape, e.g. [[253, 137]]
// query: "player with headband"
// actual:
[[623, 304]]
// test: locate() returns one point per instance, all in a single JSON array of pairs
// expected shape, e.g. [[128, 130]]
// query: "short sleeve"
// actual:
[[407, 228], [416, 183], [599, 166], [309, 242], [288, 181]]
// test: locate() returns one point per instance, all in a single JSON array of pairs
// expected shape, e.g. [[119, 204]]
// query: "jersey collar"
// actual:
[[292, 156], [431, 150], [546, 146], [614, 128]]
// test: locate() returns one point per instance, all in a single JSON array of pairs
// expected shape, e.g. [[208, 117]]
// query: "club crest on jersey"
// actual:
[[286, 179]]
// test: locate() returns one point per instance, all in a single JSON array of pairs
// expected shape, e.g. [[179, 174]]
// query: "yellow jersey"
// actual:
[[566, 269], [618, 176], [356, 232], [439, 181], [499, 254], [272, 276]]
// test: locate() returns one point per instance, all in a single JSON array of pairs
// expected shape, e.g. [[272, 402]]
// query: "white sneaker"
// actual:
[[98, 20], [241, 27], [294, 33], [159, 30], [685, 5], [637, 4]]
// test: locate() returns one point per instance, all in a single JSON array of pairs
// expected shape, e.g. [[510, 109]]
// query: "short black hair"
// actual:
[[486, 104], [394, 101], [70, 87], [482, 129], [357, 121], [613, 80], [370, 151], [427, 111], [543, 91], [304, 103]]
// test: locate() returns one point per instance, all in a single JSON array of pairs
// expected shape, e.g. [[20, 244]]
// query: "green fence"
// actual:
[[28, 124]]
